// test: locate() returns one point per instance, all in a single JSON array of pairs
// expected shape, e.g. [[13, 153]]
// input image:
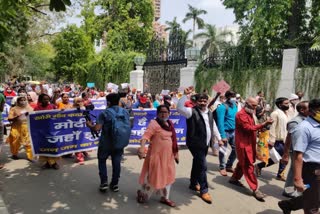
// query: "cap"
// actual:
[[238, 95], [293, 97]]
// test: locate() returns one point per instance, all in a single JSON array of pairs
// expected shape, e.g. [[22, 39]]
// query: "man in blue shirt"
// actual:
[[306, 144], [226, 117], [106, 144]]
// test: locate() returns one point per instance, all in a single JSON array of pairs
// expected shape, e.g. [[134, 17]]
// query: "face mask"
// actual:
[[9, 91], [164, 119], [317, 116], [248, 109], [233, 99], [160, 98], [284, 108]]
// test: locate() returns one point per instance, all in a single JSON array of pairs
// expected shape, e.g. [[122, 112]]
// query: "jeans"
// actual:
[[232, 156], [279, 147], [290, 180], [199, 169], [116, 166]]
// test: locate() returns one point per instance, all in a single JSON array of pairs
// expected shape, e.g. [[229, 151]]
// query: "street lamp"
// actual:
[[139, 61], [193, 54]]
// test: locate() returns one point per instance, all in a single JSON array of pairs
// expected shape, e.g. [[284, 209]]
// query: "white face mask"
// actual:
[[233, 99]]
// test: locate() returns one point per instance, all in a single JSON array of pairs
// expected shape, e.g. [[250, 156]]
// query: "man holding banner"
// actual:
[[2, 102]]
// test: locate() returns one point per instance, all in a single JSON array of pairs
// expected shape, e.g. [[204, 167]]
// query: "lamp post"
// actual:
[[192, 55], [139, 61]]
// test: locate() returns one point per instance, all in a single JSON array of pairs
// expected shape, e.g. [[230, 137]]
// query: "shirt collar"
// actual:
[[313, 122]]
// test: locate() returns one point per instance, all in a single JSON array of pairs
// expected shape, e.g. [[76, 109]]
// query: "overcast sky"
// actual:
[[217, 13]]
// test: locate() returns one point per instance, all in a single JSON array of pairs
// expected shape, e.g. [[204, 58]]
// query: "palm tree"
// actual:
[[193, 15], [214, 43], [316, 44], [172, 25]]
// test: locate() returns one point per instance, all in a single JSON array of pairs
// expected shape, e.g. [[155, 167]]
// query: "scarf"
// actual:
[[174, 135]]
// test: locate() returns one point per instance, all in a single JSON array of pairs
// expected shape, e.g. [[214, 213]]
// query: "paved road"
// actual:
[[26, 189]]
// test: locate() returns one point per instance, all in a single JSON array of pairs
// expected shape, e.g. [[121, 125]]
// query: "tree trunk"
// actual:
[[194, 29]]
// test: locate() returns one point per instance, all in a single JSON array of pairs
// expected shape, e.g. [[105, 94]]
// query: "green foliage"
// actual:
[[247, 82], [73, 50], [125, 25], [110, 66], [38, 60], [307, 80], [275, 24]]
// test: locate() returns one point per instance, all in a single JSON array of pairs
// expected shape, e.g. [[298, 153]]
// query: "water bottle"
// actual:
[[306, 186]]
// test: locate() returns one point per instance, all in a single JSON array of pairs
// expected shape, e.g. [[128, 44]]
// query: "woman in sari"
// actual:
[[19, 134], [158, 171]]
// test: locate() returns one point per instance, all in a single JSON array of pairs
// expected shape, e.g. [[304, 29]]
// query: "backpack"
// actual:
[[214, 113], [120, 127]]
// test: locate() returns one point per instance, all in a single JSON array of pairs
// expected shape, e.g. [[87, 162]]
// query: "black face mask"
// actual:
[[284, 108]]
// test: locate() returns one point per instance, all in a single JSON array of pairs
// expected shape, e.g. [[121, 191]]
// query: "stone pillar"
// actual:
[[187, 74], [289, 64], [136, 78]]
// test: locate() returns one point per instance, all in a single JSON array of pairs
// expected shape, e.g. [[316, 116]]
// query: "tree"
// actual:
[[73, 50], [172, 25], [126, 24], [276, 24], [215, 42], [193, 15]]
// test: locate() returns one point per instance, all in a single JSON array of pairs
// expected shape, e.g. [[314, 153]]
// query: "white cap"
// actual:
[[238, 95], [293, 97]]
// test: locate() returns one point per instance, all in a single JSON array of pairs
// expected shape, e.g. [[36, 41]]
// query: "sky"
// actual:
[[217, 14]]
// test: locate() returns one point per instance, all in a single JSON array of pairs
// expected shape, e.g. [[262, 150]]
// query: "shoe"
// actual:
[[230, 169], [289, 195], [281, 178], [236, 182], [81, 162], [259, 195], [195, 188], [103, 187], [14, 157], [1, 166], [55, 166], [114, 188], [46, 166], [168, 202], [31, 160], [206, 197], [257, 170], [223, 172], [283, 207]]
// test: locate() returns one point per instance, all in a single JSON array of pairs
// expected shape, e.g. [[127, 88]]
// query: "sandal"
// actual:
[[167, 202], [259, 195], [236, 182]]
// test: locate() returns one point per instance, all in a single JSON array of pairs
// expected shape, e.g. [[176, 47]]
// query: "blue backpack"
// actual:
[[120, 127]]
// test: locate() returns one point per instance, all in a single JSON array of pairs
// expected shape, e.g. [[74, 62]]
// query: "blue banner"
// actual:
[[142, 119], [6, 110], [55, 133]]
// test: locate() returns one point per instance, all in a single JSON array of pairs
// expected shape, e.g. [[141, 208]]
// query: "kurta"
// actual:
[[159, 167], [245, 139]]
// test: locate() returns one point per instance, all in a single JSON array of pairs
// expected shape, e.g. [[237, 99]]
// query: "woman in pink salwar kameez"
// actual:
[[158, 171]]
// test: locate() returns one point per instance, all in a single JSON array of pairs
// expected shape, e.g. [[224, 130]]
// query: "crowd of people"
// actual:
[[226, 123]]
